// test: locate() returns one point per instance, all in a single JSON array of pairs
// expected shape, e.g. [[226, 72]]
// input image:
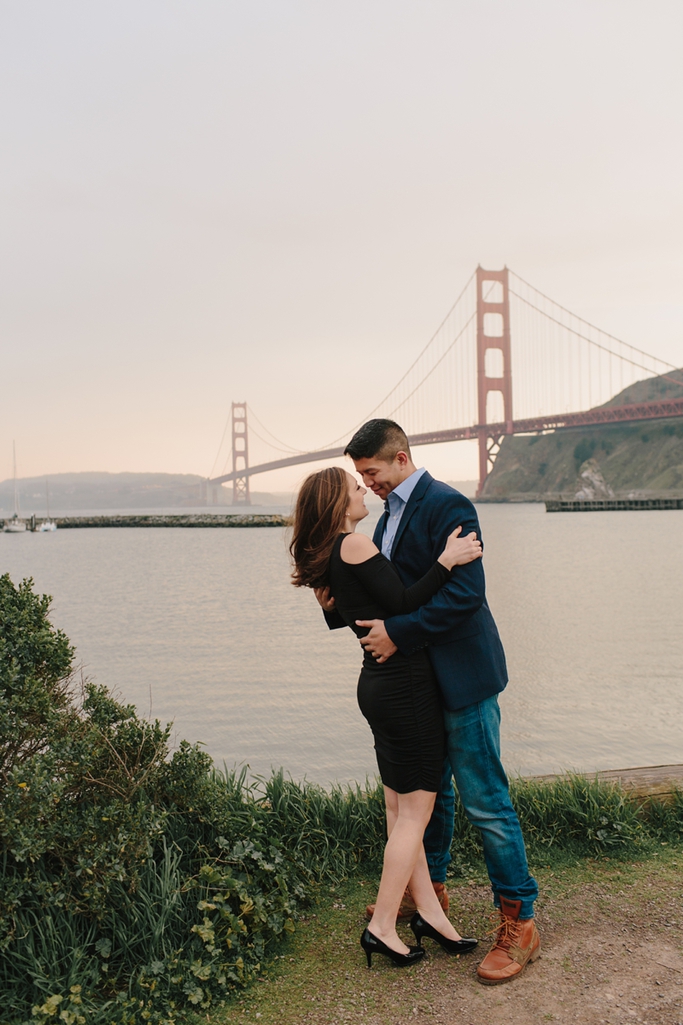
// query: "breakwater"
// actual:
[[196, 520], [602, 505]]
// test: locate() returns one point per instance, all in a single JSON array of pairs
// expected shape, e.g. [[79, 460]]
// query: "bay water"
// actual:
[[202, 627]]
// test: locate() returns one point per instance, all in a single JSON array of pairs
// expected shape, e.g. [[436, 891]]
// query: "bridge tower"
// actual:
[[240, 454], [494, 369]]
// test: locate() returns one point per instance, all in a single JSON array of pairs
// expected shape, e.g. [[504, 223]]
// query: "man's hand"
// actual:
[[377, 642], [325, 599]]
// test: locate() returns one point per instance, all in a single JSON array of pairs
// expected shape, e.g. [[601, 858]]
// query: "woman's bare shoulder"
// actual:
[[356, 548]]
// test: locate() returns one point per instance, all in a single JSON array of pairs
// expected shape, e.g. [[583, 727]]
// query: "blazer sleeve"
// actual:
[[461, 596]]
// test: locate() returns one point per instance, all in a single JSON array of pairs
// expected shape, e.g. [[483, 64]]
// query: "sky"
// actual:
[[277, 201]]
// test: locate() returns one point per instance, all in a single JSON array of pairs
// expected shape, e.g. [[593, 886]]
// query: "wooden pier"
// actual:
[[602, 505], [646, 781]]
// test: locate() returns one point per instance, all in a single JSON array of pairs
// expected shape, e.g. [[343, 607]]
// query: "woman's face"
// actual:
[[357, 510]]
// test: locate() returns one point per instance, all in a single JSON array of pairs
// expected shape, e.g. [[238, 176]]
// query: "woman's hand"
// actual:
[[324, 598], [460, 550]]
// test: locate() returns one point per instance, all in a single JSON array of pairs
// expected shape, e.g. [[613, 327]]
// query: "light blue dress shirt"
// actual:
[[396, 503]]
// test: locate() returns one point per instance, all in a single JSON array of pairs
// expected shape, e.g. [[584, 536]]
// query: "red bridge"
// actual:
[[559, 360]]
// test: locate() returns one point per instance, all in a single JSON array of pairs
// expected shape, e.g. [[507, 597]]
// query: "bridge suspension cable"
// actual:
[[598, 345], [347, 434], [575, 316], [430, 372], [281, 446]]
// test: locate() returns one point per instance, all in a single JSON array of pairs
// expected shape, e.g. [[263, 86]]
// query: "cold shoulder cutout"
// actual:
[[357, 548]]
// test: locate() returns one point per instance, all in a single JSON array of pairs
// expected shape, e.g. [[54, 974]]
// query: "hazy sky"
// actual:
[[278, 201]]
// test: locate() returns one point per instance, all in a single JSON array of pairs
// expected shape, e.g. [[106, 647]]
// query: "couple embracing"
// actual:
[[432, 669]]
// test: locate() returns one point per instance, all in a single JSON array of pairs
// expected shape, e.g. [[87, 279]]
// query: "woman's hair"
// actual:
[[319, 514]]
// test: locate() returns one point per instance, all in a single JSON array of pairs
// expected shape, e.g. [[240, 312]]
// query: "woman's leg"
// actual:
[[407, 818], [426, 900], [391, 808]]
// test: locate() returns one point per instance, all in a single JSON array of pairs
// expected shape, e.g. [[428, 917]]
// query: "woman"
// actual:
[[399, 697]]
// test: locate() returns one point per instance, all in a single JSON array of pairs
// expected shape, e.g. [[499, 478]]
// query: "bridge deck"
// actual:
[[662, 410]]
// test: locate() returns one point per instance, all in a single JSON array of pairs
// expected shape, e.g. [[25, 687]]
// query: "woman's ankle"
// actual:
[[435, 917], [388, 935]]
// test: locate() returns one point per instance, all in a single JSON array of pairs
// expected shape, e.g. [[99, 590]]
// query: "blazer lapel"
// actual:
[[379, 528], [418, 494]]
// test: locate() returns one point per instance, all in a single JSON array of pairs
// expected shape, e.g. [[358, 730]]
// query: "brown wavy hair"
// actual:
[[319, 514]]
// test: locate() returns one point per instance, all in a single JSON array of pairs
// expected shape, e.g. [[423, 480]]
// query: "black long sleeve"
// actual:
[[383, 584]]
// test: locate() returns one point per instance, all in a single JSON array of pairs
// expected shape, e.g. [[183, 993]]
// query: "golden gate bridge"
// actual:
[[566, 373]]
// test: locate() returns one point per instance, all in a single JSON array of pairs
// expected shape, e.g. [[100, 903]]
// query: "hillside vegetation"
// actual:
[[645, 457]]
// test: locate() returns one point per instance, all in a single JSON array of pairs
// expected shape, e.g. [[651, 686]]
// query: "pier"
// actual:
[[660, 781], [610, 504]]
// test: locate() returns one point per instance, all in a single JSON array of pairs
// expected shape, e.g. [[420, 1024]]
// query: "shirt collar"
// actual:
[[406, 487]]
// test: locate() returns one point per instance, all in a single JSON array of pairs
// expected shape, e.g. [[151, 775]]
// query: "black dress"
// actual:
[[400, 697]]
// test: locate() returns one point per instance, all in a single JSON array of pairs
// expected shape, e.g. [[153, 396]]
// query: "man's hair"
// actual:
[[378, 439]]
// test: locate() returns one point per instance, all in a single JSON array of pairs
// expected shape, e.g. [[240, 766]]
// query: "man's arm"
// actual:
[[458, 600], [378, 642]]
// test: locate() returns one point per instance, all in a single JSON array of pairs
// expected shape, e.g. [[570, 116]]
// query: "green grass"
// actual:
[[319, 975]]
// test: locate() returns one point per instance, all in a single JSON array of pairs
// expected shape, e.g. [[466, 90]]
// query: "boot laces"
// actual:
[[505, 929]]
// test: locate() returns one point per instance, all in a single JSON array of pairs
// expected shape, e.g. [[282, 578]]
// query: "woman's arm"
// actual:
[[382, 582]]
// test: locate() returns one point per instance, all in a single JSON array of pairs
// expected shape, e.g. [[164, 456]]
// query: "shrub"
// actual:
[[584, 450], [135, 883]]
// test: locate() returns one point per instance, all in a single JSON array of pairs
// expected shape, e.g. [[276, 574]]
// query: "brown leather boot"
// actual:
[[407, 907], [517, 942]]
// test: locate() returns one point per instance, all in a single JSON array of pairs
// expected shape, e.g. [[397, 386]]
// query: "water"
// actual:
[[202, 627]]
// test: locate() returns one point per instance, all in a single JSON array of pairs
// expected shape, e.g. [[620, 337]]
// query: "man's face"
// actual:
[[382, 477]]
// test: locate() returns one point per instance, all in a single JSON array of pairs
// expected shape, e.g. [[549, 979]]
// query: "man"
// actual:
[[469, 663]]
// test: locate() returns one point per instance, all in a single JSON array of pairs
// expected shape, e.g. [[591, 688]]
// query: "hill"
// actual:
[[645, 457], [81, 492]]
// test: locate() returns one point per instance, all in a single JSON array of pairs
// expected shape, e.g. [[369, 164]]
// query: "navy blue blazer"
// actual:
[[456, 624]]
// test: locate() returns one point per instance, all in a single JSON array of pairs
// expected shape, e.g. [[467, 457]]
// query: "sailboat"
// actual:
[[47, 525], [15, 525]]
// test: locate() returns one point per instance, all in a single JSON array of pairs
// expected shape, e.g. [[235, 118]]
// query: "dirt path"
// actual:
[[586, 976], [612, 953]]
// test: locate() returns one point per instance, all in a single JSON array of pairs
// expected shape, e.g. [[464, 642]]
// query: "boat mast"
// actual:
[[16, 497]]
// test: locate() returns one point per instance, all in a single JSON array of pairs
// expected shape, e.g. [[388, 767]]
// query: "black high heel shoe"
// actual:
[[421, 928], [371, 945]]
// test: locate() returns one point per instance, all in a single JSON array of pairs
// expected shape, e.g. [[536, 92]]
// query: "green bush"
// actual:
[[584, 450], [135, 883]]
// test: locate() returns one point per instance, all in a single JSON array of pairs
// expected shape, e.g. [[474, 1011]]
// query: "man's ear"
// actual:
[[402, 458]]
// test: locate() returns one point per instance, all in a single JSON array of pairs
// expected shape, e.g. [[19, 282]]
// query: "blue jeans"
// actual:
[[473, 757]]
